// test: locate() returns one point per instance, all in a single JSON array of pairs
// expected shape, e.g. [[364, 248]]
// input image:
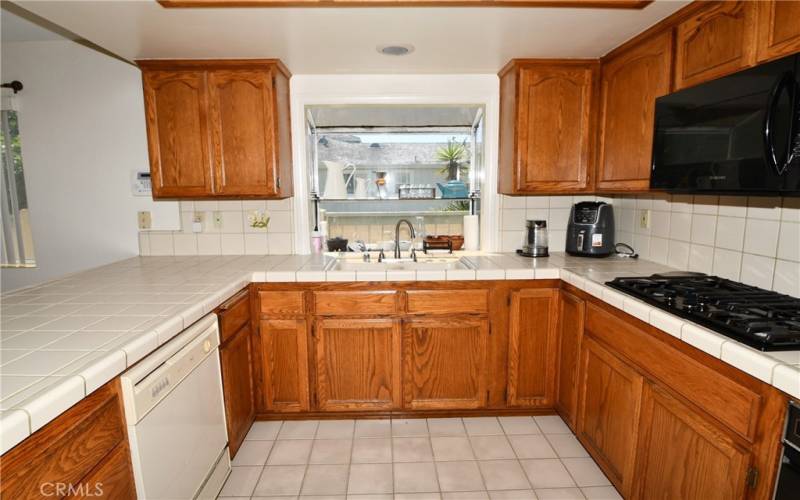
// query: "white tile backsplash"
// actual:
[[234, 236], [755, 239]]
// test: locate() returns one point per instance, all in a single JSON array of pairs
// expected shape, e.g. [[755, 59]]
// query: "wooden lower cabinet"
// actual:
[[571, 319], [236, 361], [683, 455], [82, 453], [284, 358], [611, 398], [532, 348], [444, 362], [357, 364]]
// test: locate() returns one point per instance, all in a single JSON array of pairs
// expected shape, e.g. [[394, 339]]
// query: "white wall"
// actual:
[[83, 132]]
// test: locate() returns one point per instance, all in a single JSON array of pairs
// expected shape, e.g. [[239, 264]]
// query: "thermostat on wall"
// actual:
[[141, 184]]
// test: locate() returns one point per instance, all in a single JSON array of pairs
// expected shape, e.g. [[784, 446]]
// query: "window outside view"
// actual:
[[17, 238], [368, 180]]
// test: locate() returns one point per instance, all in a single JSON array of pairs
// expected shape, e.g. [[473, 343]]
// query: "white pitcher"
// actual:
[[361, 188], [335, 185]]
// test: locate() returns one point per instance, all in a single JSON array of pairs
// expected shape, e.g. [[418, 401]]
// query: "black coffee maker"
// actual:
[[590, 231]]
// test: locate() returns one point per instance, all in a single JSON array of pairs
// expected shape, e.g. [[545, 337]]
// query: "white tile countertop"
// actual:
[[62, 340]]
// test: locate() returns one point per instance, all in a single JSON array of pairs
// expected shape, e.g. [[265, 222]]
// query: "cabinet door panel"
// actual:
[[554, 128], [358, 364], [445, 363], [532, 348], [630, 83], [611, 395], [177, 133], [681, 455], [572, 313], [778, 29], [236, 361], [716, 41], [284, 354], [113, 476], [242, 131]]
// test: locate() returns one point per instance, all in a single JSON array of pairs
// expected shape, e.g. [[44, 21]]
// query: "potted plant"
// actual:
[[453, 154]]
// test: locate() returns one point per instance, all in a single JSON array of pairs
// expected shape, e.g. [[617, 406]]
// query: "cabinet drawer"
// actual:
[[355, 303], [281, 303], [720, 396], [67, 449], [448, 301], [233, 314]]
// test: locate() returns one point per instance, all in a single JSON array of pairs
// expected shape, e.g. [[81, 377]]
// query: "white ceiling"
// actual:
[[343, 40]]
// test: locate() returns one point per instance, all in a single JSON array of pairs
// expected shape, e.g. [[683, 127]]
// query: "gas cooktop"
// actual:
[[763, 319]]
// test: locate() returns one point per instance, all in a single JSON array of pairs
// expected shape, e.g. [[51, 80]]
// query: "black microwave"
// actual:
[[739, 134]]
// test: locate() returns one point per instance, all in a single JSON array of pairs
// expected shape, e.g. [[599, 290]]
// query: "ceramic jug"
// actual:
[[361, 188], [335, 185]]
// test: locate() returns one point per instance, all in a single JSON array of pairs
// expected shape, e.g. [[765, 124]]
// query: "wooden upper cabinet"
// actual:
[[357, 364], [572, 316], [532, 347], [218, 128], [243, 132], [284, 359], [683, 455], [778, 29], [546, 124], [176, 112], [610, 402], [630, 82], [444, 362], [718, 40]]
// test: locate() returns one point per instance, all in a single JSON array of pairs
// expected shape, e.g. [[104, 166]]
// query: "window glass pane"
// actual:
[[17, 238]]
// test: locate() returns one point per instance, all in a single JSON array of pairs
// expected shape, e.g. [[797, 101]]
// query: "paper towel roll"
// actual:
[[472, 234]]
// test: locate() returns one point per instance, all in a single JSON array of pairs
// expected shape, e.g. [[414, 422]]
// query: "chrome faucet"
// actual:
[[397, 236]]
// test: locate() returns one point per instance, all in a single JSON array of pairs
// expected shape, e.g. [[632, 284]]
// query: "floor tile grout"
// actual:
[[434, 462]]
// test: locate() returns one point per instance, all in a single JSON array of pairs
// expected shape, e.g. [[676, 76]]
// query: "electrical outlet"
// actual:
[[218, 220], [644, 219], [145, 220], [197, 222]]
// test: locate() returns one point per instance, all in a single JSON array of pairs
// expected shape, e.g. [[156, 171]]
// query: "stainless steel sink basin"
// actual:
[[423, 263]]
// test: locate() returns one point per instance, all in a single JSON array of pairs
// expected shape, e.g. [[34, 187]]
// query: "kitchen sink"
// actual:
[[423, 263]]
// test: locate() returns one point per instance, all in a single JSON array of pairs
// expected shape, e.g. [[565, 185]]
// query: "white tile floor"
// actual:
[[505, 458]]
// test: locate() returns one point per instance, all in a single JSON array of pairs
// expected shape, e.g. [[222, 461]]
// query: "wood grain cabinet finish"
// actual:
[[571, 319], [444, 362], [218, 128], [532, 348], [176, 111], [716, 41], [778, 29], [547, 126], [284, 360], [111, 479], [357, 364], [84, 446], [631, 80], [236, 361], [610, 402], [683, 455]]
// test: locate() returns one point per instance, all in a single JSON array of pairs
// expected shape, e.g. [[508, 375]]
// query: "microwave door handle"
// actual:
[[787, 79]]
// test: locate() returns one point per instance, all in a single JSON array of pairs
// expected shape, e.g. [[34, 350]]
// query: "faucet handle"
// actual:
[[413, 254], [381, 256]]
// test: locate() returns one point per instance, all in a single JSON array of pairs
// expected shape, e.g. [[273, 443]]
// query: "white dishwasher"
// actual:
[[176, 417]]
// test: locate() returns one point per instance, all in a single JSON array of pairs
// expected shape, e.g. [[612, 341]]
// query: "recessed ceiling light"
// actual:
[[395, 50]]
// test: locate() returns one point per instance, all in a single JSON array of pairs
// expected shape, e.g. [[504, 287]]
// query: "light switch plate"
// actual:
[[197, 222], [218, 219], [145, 220]]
